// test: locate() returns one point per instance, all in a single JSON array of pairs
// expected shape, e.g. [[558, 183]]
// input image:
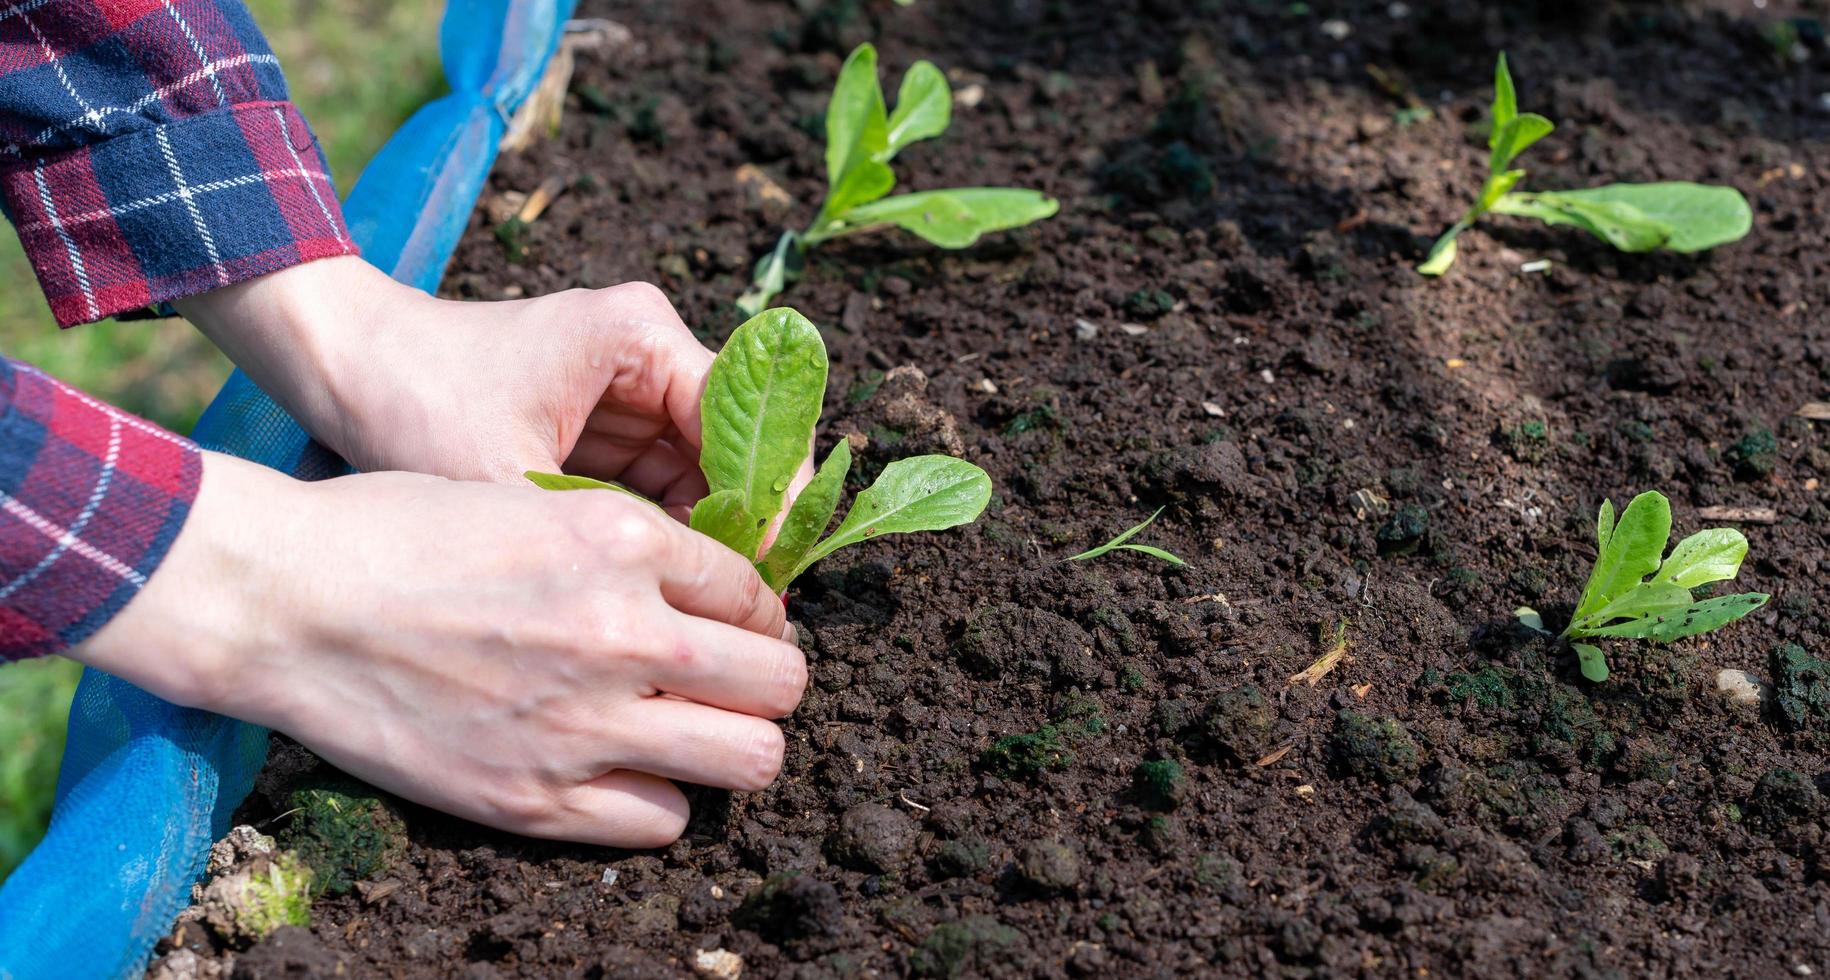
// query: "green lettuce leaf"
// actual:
[[1632, 553], [1696, 618], [1711, 555], [1694, 216], [762, 399], [721, 517], [807, 518], [857, 136], [924, 107], [1589, 658], [921, 493], [953, 218]]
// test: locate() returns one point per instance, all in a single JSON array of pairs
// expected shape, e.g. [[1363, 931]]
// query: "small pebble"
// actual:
[[1134, 329], [1085, 330], [1742, 687], [610, 876], [719, 963], [1337, 29]]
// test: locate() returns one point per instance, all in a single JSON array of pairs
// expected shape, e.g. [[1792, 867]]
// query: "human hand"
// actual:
[[543, 663], [602, 383]]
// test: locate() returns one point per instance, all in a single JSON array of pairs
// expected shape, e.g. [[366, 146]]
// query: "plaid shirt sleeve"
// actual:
[[90, 500], [148, 152]]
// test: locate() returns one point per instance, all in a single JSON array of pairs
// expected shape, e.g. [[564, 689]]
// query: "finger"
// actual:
[[666, 475], [695, 743], [710, 581], [725, 667], [619, 809], [664, 366], [658, 470]]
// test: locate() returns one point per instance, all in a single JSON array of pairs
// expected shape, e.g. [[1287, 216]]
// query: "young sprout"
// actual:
[[1119, 543], [861, 139], [1676, 215], [761, 403], [1632, 593]]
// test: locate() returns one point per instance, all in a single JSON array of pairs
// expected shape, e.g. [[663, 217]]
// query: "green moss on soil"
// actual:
[[1754, 455], [956, 948], [1801, 687], [344, 833], [1148, 304], [1158, 783], [1025, 755]]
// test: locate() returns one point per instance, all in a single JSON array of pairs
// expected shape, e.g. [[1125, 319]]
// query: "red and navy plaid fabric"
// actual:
[[90, 500], [148, 152]]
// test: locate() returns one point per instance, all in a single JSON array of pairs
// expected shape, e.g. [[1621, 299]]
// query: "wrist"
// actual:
[[219, 595], [304, 335]]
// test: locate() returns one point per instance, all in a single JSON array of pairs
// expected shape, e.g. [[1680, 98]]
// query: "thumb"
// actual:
[[654, 362]]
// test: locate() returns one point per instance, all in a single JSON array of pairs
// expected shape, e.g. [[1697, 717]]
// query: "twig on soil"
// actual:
[[903, 795], [1820, 411], [1326, 663], [1276, 754], [538, 201], [1744, 515], [276, 818]]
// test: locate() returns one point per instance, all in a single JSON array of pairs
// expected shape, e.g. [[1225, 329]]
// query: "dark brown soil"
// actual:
[[1012, 766]]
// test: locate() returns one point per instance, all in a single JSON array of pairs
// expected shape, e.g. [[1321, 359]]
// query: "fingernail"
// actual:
[[790, 634]]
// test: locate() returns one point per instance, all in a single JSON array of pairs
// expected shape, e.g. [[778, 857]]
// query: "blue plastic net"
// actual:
[[146, 786]]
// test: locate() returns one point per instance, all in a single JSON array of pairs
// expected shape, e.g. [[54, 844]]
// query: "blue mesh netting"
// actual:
[[146, 785]]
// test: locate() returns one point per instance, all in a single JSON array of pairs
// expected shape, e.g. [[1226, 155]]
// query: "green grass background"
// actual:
[[357, 70]]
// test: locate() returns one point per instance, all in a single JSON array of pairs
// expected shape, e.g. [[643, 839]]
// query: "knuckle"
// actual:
[[749, 598], [761, 757], [684, 660], [634, 534], [639, 293]]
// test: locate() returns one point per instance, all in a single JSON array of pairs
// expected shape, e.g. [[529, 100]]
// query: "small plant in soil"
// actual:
[[861, 139], [1679, 216], [761, 403], [1632, 593], [1122, 542]]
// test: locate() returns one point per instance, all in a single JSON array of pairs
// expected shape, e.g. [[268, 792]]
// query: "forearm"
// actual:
[[303, 334]]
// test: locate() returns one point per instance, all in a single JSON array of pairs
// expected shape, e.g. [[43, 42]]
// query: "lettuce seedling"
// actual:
[[861, 139], [1676, 215], [761, 403], [1122, 542], [1632, 593]]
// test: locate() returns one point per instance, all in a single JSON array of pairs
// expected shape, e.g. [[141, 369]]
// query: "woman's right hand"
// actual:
[[544, 663]]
